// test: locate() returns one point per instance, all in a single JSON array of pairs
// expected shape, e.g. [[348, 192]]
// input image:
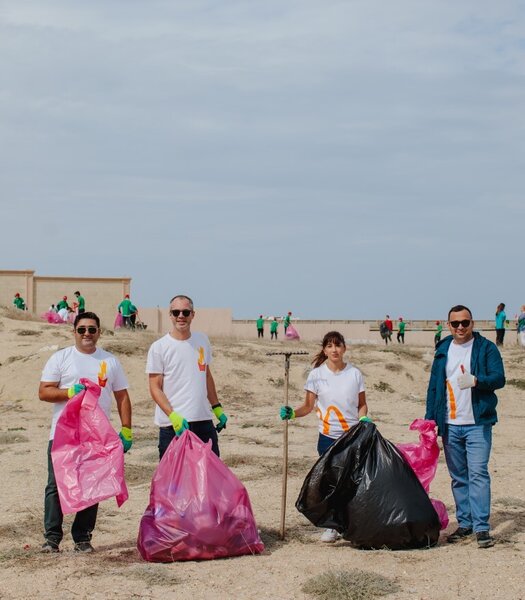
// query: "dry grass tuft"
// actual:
[[395, 367], [382, 386], [12, 437], [353, 584], [519, 383], [28, 332]]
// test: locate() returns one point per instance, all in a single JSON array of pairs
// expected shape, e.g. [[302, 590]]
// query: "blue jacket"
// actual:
[[485, 364]]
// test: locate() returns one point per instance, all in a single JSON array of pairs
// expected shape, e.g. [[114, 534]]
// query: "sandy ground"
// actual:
[[250, 386]]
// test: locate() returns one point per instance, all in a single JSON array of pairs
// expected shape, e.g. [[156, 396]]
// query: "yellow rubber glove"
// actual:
[[75, 389], [220, 414], [179, 423], [126, 437]]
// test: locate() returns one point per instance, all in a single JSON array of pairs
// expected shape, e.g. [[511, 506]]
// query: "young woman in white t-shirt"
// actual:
[[336, 390]]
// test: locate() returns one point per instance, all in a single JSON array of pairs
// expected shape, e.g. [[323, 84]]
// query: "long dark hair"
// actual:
[[332, 337], [501, 307]]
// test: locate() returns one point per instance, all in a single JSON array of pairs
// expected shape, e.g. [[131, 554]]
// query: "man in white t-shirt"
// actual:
[[60, 382], [466, 371], [180, 380]]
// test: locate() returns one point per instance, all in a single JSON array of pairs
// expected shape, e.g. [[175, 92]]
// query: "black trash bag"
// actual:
[[363, 487]]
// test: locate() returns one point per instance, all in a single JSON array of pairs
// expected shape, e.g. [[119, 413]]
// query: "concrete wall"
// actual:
[[215, 322], [12, 282], [102, 294]]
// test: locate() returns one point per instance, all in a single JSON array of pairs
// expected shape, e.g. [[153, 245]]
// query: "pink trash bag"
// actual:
[[87, 454], [51, 317], [198, 509], [291, 333], [119, 321], [423, 458]]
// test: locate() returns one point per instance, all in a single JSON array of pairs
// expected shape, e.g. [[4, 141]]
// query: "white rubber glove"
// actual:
[[466, 380]]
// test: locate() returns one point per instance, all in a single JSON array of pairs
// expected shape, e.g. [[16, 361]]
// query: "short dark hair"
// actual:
[[77, 293], [459, 308], [185, 298], [86, 315]]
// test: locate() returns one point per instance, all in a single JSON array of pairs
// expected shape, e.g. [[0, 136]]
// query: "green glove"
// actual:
[[365, 420], [75, 389], [179, 423], [219, 413], [287, 412], [127, 438]]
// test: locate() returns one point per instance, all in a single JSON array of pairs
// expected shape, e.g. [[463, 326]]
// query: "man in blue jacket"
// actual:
[[466, 371]]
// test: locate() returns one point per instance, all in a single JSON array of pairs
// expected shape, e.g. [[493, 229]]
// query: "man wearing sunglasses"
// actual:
[[180, 380], [60, 382], [466, 371]]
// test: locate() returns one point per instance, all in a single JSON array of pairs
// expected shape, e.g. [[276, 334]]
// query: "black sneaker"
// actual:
[[484, 539], [85, 547], [49, 547], [460, 534]]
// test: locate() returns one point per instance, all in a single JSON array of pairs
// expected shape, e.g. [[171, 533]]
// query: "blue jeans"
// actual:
[[467, 452], [323, 443], [204, 430]]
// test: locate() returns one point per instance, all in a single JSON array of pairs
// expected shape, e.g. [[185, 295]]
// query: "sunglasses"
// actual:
[[465, 323], [82, 330], [185, 313]]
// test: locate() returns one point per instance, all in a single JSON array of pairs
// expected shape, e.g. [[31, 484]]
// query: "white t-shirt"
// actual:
[[183, 364], [68, 366], [337, 403], [459, 402]]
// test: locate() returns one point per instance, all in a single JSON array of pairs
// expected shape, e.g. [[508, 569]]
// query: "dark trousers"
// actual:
[[204, 430], [84, 522], [260, 333], [323, 443], [500, 334], [273, 334], [401, 337]]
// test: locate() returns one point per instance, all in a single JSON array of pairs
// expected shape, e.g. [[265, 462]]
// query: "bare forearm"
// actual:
[[213, 398], [124, 407], [52, 393]]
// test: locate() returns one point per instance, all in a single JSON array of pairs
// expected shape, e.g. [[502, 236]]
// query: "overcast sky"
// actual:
[[339, 159]]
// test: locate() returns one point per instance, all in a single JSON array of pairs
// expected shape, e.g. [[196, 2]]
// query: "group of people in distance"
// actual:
[[386, 329], [274, 324], [127, 314], [62, 312], [461, 399]]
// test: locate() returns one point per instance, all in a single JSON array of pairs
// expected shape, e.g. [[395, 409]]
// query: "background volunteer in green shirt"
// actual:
[[437, 336], [62, 303], [273, 328], [286, 321], [18, 301], [124, 309], [260, 327], [401, 331], [81, 302]]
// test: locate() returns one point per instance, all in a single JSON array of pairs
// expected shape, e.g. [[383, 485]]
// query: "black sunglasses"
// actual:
[[465, 323], [82, 330], [185, 313]]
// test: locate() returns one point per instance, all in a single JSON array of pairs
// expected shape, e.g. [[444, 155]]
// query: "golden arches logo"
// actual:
[[326, 418]]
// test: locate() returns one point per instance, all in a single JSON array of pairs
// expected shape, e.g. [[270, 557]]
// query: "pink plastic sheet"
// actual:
[[119, 321], [292, 333], [423, 458], [87, 454], [198, 509]]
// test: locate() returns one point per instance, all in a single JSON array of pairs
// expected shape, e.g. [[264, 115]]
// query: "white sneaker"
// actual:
[[329, 536]]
